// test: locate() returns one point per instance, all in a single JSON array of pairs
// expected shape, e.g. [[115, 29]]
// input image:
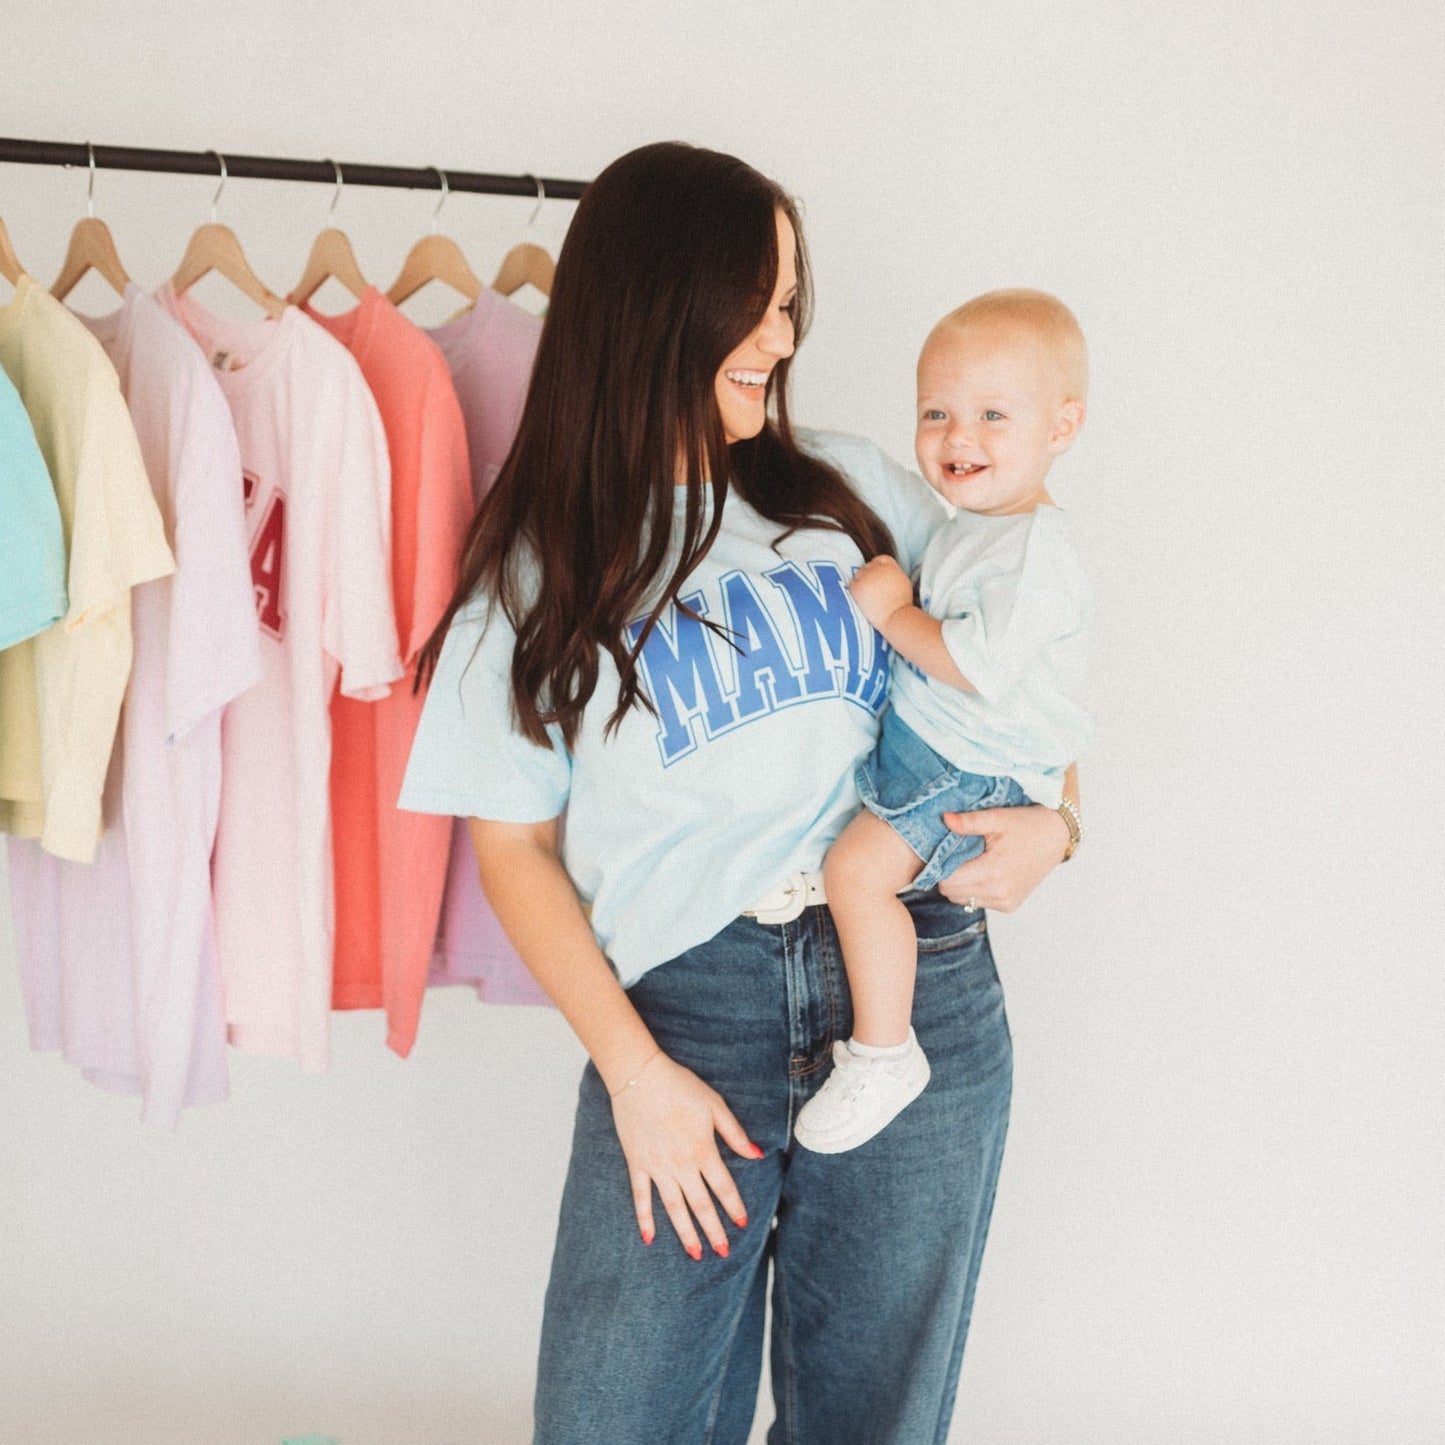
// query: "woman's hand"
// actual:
[[668, 1121], [666, 1117], [1021, 847], [880, 588]]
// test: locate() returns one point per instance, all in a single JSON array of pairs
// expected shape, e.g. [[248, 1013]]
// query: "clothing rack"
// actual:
[[277, 168]]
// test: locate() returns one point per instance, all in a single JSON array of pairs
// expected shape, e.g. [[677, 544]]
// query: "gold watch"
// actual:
[[1068, 810]]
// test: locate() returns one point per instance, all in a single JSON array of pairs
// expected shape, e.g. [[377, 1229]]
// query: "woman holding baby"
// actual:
[[654, 631]]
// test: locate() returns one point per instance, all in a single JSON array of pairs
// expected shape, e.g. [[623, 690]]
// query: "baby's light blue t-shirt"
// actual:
[[678, 822], [1015, 606], [32, 545]]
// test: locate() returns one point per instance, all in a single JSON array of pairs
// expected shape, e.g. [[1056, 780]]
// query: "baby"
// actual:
[[987, 676]]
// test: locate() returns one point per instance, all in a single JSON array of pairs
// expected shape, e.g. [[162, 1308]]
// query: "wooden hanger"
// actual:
[[214, 247], [10, 267], [526, 261], [92, 248], [331, 258], [435, 258]]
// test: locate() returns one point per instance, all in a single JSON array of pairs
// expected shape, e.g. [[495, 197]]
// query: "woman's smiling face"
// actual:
[[742, 380]]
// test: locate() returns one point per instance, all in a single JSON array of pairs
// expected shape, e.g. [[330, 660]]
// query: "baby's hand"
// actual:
[[880, 589]]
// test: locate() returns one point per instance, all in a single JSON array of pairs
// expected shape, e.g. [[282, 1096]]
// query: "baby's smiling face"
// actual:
[[992, 416]]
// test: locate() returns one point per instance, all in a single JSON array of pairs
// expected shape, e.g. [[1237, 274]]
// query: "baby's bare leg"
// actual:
[[863, 873]]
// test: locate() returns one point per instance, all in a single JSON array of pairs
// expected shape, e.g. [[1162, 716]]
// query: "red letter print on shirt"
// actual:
[[268, 557]]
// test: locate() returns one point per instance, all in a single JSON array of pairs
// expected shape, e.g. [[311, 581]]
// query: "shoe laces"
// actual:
[[852, 1073]]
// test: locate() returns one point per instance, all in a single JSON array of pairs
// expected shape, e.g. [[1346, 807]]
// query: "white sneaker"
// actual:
[[860, 1097]]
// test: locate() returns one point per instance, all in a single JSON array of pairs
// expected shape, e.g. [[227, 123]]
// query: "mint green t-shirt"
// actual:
[[32, 546]]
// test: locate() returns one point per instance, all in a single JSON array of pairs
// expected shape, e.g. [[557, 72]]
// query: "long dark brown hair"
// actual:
[[668, 266]]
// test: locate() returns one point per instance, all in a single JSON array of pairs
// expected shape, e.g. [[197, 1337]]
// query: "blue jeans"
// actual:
[[874, 1253], [910, 787]]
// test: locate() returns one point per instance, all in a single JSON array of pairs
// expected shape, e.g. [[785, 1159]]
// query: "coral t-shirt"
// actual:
[[391, 866], [117, 957], [317, 490]]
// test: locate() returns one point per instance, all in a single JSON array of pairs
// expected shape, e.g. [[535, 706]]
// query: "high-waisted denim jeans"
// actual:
[[874, 1252]]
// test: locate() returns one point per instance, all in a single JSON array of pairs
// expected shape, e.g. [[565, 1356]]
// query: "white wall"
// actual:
[[1221, 1212]]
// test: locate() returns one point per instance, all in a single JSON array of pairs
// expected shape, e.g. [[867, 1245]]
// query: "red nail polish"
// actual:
[[695, 1251], [741, 1221], [721, 1250], [648, 1236], [758, 1153]]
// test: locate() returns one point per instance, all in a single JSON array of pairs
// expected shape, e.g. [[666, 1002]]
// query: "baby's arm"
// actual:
[[885, 596]]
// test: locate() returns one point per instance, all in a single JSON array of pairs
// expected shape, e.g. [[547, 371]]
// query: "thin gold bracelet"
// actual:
[[656, 1054]]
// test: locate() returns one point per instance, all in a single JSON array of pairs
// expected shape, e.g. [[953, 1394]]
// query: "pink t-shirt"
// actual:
[[117, 957], [391, 866], [317, 490], [490, 350]]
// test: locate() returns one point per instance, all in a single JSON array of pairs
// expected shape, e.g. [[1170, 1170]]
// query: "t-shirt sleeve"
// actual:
[[444, 508], [117, 541], [117, 538], [359, 625], [995, 629], [908, 506], [214, 650], [467, 760]]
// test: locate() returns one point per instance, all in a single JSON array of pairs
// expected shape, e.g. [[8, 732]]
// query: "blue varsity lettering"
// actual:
[[681, 678], [766, 674], [827, 625], [808, 645], [874, 692]]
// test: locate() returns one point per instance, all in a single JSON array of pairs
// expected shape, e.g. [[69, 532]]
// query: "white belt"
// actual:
[[786, 901]]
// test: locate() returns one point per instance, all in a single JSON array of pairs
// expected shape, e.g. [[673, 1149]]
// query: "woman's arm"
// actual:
[[1021, 848], [667, 1119]]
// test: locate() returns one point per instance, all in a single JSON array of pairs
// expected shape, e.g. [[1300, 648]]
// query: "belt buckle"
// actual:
[[795, 888]]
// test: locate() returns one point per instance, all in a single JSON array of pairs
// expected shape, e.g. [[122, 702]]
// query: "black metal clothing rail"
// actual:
[[275, 168]]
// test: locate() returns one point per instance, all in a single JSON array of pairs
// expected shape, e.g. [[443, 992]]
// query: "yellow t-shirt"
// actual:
[[60, 692]]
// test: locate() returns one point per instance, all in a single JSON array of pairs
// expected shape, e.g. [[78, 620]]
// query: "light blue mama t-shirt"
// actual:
[[32, 545], [678, 822], [1015, 606]]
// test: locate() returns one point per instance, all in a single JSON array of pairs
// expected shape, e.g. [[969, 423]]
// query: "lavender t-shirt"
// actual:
[[117, 957], [489, 351]]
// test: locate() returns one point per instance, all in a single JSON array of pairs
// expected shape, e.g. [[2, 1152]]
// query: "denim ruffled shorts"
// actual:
[[911, 787]]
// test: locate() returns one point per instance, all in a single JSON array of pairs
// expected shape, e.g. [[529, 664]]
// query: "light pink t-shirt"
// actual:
[[117, 957], [317, 489], [490, 350]]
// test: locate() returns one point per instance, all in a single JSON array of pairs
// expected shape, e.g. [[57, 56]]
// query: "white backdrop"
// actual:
[[1221, 1211]]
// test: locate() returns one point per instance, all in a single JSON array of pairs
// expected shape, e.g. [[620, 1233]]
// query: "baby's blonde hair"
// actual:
[[1039, 313]]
